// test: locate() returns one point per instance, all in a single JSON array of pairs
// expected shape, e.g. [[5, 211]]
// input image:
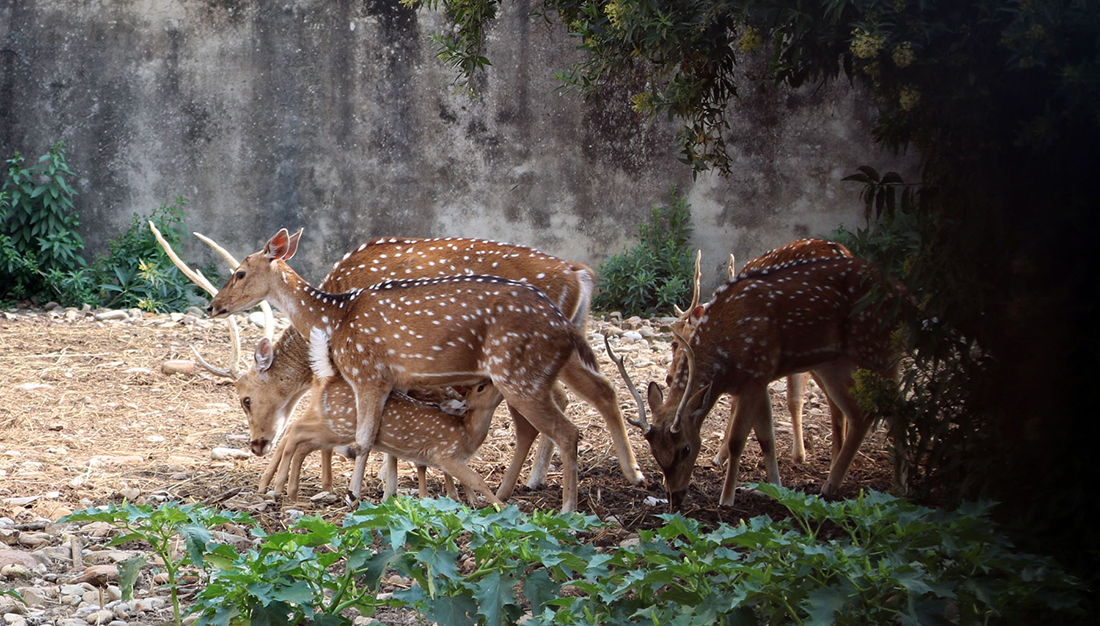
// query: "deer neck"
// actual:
[[305, 305]]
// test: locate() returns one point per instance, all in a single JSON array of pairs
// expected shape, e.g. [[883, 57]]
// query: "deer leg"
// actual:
[[422, 481], [470, 478], [275, 462], [370, 401], [389, 461], [301, 451], [796, 396], [595, 389], [326, 470], [837, 380], [540, 411], [541, 465], [752, 406], [449, 484], [525, 436], [723, 456], [836, 417]]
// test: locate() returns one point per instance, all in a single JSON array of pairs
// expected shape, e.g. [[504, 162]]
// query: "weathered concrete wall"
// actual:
[[335, 115]]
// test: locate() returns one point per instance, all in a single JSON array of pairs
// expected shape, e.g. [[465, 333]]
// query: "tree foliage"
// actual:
[[1002, 100]]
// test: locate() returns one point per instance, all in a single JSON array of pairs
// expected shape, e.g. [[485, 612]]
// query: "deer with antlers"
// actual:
[[437, 332], [281, 375], [441, 432], [684, 326], [789, 317]]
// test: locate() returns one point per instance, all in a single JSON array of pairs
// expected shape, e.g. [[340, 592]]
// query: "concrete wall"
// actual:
[[335, 115]]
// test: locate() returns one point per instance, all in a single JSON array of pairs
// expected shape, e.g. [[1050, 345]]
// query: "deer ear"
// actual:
[[292, 244], [265, 355], [697, 314], [277, 246], [654, 396]]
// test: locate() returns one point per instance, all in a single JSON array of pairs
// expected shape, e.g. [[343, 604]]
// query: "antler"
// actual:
[[731, 269], [642, 422], [269, 318], [233, 371], [690, 356], [695, 296]]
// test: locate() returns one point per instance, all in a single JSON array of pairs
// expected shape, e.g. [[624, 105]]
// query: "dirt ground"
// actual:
[[86, 416]]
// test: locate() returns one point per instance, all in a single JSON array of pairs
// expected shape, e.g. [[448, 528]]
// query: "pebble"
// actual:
[[178, 366], [222, 454]]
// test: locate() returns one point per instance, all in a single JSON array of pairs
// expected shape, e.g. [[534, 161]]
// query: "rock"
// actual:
[[36, 596], [178, 366], [97, 575], [633, 336], [222, 454], [102, 616], [16, 571], [130, 493], [138, 370], [16, 557], [109, 315], [13, 619]]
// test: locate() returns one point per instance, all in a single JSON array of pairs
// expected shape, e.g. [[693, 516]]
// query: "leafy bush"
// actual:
[[138, 273], [38, 235], [160, 528], [656, 273], [874, 559]]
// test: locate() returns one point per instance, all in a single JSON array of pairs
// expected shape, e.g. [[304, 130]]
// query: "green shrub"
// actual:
[[38, 227], [870, 560], [138, 273], [656, 273]]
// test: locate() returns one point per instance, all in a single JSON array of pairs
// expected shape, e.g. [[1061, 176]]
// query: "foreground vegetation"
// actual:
[[874, 559]]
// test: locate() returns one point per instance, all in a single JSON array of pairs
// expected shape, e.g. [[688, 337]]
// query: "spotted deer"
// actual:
[[451, 330], [802, 249], [421, 431], [271, 389], [765, 324]]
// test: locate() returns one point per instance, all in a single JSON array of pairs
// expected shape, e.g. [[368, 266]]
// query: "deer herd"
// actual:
[[409, 345]]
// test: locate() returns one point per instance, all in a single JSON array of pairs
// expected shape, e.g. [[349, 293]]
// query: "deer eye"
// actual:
[[246, 402], [239, 275], [481, 387]]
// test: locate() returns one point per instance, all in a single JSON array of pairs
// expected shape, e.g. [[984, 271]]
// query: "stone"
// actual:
[[15, 571], [223, 454], [178, 366], [109, 315], [102, 616], [16, 557]]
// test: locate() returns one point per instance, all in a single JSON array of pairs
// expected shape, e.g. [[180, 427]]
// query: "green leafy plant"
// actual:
[[872, 559], [38, 228], [138, 273], [655, 274], [160, 528]]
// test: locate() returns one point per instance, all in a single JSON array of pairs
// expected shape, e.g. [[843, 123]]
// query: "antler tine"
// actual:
[[731, 270], [690, 356], [200, 280], [269, 317], [642, 422], [195, 275]]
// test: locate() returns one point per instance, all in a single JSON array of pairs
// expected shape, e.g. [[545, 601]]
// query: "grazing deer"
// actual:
[[271, 389], [802, 249], [792, 317], [436, 332], [424, 432]]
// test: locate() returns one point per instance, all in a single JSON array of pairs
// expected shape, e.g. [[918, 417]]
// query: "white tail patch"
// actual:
[[319, 360]]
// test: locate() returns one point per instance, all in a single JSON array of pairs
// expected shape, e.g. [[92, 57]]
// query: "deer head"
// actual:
[[249, 283]]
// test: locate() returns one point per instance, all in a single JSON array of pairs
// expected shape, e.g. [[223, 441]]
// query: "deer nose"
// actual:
[[259, 446]]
